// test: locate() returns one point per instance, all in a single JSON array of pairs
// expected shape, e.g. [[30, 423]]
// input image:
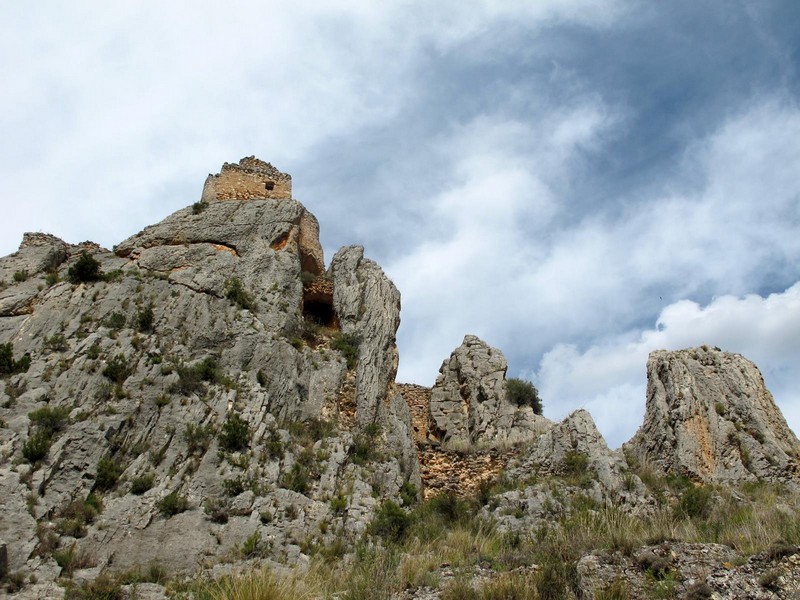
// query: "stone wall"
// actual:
[[250, 178]]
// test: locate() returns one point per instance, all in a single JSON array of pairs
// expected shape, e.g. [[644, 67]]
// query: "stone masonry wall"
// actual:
[[251, 178]]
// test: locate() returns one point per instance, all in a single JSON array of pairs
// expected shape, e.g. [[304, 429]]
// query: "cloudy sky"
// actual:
[[577, 182]]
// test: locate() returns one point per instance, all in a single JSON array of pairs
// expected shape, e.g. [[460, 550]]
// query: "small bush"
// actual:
[[36, 447], [391, 522], [51, 278], [141, 484], [524, 393], [235, 292], [347, 344], [198, 437], [274, 445], [575, 463], [217, 511], [71, 559], [108, 473], [144, 319], [117, 369], [235, 434], [253, 546], [9, 366], [103, 587], [115, 321], [307, 278], [85, 269], [191, 379], [261, 378], [20, 276], [199, 207], [296, 479], [408, 493], [50, 420], [172, 504], [695, 502], [339, 505], [56, 343], [93, 353]]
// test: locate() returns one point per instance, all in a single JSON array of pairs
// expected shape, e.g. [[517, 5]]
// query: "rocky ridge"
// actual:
[[217, 395]]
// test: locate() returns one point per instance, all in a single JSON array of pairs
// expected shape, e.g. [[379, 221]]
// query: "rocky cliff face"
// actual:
[[469, 405], [710, 417], [195, 395], [211, 393]]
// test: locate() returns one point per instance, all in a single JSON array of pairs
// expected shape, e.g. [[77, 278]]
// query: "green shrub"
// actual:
[[339, 505], [253, 546], [274, 445], [199, 207], [108, 473], [93, 352], [115, 320], [51, 278], [191, 379], [198, 437], [391, 522], [524, 393], [575, 463], [85, 269], [50, 420], [9, 366], [104, 587], [71, 559], [307, 278], [141, 484], [20, 276], [695, 502], [296, 480], [449, 507], [235, 292], [56, 343], [217, 510], [36, 447], [235, 434], [144, 319], [172, 504], [117, 369], [347, 344], [409, 493]]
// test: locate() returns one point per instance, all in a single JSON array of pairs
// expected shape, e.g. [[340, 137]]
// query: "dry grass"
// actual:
[[750, 519]]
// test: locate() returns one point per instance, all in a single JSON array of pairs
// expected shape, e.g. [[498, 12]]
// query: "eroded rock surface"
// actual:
[[200, 406], [710, 417], [469, 403]]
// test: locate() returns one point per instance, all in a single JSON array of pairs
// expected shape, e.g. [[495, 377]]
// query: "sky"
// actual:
[[576, 182]]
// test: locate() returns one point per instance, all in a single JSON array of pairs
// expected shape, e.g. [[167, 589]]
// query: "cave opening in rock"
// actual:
[[320, 313], [318, 303]]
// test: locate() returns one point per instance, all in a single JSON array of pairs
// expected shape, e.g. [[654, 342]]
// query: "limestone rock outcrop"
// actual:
[[469, 404], [710, 417], [571, 458], [195, 395]]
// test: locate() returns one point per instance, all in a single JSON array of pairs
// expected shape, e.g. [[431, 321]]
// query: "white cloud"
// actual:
[[608, 378], [107, 108]]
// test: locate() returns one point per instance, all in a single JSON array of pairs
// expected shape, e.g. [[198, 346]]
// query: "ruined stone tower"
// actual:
[[251, 178]]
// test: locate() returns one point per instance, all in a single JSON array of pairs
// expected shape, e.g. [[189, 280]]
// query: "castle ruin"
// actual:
[[251, 178]]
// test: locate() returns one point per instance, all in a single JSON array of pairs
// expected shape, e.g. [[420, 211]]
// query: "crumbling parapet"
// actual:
[[250, 178]]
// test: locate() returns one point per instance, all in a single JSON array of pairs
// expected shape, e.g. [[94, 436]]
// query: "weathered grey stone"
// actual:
[[153, 424], [469, 404], [710, 417], [569, 459]]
